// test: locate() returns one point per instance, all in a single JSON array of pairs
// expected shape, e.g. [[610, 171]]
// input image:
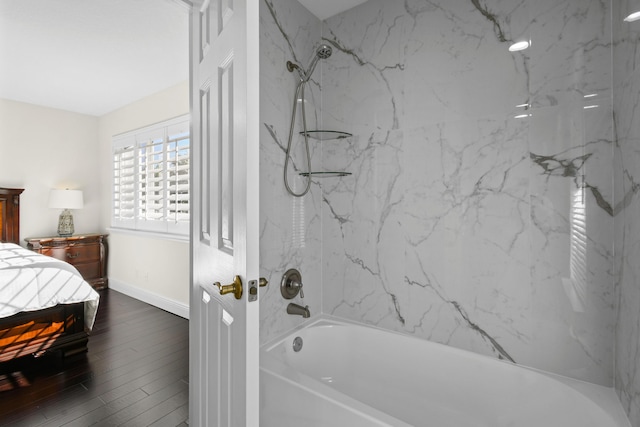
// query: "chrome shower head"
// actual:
[[323, 52]]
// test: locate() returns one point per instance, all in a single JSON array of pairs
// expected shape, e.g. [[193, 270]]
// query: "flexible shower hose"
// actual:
[[299, 90]]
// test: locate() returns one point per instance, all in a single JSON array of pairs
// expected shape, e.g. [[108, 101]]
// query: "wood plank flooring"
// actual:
[[135, 374]]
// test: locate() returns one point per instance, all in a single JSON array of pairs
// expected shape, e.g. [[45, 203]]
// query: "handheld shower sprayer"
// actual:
[[323, 52]]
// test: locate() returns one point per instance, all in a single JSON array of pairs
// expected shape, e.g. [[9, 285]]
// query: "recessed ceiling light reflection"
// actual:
[[591, 95], [588, 107], [633, 17], [517, 46], [521, 116]]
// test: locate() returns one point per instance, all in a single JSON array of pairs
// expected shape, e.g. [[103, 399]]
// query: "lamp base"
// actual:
[[65, 224]]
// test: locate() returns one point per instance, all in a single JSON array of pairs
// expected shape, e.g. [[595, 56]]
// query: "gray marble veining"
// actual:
[[626, 77], [461, 217], [480, 210]]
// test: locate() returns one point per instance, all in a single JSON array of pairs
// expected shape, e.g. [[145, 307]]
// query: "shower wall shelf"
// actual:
[[325, 174], [326, 135]]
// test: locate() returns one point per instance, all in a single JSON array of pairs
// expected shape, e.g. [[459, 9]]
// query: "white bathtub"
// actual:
[[353, 375]]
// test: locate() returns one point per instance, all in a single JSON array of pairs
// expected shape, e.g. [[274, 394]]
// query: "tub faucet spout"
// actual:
[[298, 310]]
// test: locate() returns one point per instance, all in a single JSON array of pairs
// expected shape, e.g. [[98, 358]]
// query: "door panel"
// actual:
[[224, 237]]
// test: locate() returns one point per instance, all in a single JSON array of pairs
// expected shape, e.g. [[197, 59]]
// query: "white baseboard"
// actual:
[[172, 306]]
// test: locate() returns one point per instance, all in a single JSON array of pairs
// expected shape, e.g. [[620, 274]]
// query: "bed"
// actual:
[[45, 304]]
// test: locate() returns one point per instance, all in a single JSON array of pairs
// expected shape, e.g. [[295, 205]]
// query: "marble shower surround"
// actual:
[[626, 97], [462, 224], [458, 223], [290, 228]]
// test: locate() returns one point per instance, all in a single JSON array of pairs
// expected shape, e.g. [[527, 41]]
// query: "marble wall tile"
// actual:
[[480, 210], [459, 220], [569, 41], [626, 77], [290, 228]]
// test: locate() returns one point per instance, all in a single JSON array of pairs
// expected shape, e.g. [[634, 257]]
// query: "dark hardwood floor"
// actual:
[[135, 374]]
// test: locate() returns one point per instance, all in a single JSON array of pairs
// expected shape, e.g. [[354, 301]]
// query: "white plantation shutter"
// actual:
[[151, 178], [124, 185], [177, 190]]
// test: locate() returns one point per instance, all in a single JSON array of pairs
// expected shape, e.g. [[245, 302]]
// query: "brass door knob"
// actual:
[[235, 287]]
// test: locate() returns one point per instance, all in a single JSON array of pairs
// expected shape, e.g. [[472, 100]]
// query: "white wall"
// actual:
[[152, 269], [43, 148]]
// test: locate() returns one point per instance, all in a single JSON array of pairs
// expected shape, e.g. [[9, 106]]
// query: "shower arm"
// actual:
[[304, 75], [293, 66]]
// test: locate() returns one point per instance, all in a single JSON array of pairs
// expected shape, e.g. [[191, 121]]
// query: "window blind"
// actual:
[[151, 178]]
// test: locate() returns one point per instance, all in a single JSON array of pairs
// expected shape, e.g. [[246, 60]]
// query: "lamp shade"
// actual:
[[66, 199]]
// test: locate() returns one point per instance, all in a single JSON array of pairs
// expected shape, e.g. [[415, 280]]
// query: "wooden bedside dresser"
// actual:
[[86, 252]]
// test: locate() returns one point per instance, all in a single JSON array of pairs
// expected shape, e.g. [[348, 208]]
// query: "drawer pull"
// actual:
[[73, 256]]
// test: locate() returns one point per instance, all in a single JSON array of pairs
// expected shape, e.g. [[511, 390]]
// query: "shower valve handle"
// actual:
[[291, 284], [299, 285]]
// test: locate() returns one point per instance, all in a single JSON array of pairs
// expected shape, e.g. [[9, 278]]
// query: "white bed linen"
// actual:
[[30, 281]]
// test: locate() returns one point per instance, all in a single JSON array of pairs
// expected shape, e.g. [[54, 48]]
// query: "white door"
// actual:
[[223, 354]]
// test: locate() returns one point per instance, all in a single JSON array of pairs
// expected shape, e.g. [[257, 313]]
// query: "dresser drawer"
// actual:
[[89, 270], [74, 254], [87, 253]]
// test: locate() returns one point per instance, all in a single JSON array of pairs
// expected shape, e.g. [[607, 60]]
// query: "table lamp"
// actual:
[[66, 200]]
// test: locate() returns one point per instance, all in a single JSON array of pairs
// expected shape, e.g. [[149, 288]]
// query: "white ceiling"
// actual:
[[94, 56], [91, 56]]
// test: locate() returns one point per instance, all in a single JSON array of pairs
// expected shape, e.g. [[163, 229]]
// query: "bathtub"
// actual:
[[348, 374]]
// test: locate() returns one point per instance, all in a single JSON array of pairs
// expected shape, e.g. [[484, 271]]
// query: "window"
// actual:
[[151, 178]]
